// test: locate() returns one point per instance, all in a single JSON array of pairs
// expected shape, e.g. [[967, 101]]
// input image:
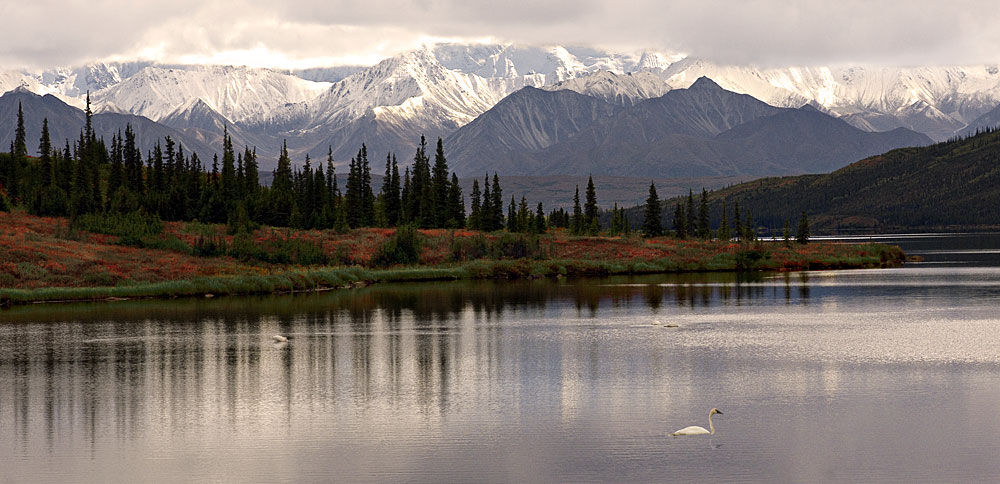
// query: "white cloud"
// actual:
[[45, 33]]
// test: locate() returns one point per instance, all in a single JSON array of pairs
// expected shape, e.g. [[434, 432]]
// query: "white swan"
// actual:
[[279, 338], [696, 430]]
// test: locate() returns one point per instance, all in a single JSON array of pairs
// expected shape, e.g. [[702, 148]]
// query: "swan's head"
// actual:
[[715, 411]]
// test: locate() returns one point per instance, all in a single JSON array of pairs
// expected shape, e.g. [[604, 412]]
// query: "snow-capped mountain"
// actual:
[[71, 84], [66, 123], [433, 91], [240, 94], [625, 89], [527, 121], [703, 130], [933, 100], [436, 89]]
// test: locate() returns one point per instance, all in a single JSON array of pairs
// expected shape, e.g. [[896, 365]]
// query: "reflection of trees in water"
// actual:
[[130, 368]]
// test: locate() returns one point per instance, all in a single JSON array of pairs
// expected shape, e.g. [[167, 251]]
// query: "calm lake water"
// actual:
[[834, 376]]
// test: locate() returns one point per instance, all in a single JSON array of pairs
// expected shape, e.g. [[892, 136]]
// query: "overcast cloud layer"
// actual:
[[308, 33]]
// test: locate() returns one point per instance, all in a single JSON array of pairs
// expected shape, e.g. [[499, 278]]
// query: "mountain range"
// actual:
[[703, 130], [66, 122], [439, 90]]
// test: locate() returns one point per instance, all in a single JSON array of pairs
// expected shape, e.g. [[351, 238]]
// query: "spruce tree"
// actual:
[[737, 221], [524, 217], [749, 228], [578, 221], [540, 225], [156, 164], [423, 191], [724, 233], [282, 200], [20, 142], [441, 185], [590, 208], [802, 233], [367, 194], [18, 157], [131, 158], [227, 183], [497, 203], [66, 170], [195, 184], [512, 216], [321, 215], [250, 174], [704, 229], [651, 225], [45, 155], [487, 219], [304, 197], [456, 203], [616, 225], [405, 215], [169, 154], [691, 221], [82, 198], [116, 176], [475, 213], [390, 191], [680, 221], [352, 194]]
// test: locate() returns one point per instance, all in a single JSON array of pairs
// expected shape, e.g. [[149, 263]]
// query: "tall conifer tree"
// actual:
[[590, 208], [651, 225]]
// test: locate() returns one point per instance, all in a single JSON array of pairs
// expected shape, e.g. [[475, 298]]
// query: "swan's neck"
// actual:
[[711, 428]]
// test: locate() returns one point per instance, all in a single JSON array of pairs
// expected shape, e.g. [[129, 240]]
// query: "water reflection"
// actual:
[[105, 367], [530, 380]]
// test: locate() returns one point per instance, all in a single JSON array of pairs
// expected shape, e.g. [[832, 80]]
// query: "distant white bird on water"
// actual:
[[696, 430], [279, 338]]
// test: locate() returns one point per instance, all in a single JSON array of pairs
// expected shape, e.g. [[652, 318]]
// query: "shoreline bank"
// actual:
[[299, 280]]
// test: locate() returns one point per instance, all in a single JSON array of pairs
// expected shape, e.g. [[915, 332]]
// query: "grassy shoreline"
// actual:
[[330, 278], [42, 261]]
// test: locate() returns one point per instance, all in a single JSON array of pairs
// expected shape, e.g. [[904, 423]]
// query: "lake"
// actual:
[[886, 375]]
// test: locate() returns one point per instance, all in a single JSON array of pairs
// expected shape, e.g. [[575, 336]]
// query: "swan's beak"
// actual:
[[718, 412]]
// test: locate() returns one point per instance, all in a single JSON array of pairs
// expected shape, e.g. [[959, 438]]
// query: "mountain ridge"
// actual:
[[438, 88], [703, 130]]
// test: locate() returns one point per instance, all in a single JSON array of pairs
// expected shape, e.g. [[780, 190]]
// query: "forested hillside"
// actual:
[[954, 184]]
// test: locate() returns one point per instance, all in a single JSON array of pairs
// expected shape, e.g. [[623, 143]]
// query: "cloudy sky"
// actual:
[[308, 33]]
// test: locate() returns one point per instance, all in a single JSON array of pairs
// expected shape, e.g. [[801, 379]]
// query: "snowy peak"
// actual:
[[545, 65], [195, 114], [624, 90], [657, 61], [880, 97], [238, 93], [526, 121]]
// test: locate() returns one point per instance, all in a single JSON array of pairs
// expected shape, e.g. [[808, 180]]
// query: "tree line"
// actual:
[[691, 220], [87, 176]]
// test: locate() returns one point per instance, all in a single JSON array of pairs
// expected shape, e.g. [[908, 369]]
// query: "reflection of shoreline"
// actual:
[[129, 367], [390, 377], [424, 299]]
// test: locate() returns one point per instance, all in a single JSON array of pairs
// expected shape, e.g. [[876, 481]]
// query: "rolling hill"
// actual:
[[949, 185]]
